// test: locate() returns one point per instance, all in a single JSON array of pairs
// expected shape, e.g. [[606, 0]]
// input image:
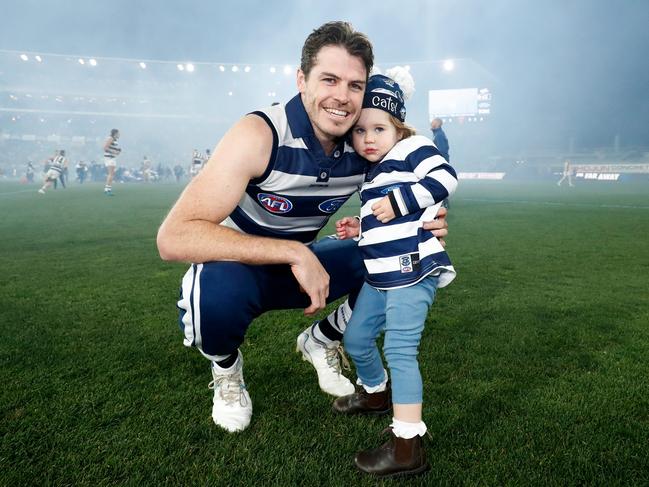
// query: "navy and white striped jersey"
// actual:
[[400, 253], [113, 150], [57, 164], [198, 158], [302, 186]]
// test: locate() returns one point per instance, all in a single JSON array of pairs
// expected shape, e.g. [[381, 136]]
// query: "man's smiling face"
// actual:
[[332, 94]]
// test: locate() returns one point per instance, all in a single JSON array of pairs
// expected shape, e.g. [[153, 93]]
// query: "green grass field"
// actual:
[[535, 360]]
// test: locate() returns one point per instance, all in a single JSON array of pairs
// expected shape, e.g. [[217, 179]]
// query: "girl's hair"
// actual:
[[403, 130]]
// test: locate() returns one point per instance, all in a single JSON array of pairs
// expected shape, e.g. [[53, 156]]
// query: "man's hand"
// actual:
[[439, 226], [313, 280], [348, 227], [382, 210]]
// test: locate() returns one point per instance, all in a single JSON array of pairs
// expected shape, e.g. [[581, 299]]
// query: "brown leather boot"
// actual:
[[396, 457], [363, 402]]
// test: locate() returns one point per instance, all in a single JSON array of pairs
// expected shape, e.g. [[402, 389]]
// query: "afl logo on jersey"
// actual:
[[274, 203], [332, 205]]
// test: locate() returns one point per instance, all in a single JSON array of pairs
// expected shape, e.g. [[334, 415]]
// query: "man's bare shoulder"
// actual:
[[247, 145]]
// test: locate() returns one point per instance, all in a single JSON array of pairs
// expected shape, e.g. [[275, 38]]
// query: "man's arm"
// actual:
[[191, 231]]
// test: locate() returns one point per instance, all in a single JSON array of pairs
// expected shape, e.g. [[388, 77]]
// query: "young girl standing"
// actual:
[[407, 181]]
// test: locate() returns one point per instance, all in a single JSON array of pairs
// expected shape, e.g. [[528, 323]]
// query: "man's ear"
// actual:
[[301, 81]]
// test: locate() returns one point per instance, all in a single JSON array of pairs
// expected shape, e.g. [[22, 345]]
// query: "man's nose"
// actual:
[[342, 93]]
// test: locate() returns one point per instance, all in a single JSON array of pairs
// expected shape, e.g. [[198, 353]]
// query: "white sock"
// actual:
[[320, 337], [222, 370], [378, 388], [405, 430]]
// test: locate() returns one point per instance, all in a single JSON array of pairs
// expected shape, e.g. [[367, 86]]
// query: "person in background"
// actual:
[[30, 172], [54, 171], [111, 151], [441, 142], [567, 173]]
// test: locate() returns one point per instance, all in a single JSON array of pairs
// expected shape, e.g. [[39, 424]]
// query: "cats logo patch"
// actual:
[[332, 205], [409, 262]]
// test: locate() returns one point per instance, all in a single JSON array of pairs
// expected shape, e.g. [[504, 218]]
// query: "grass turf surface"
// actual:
[[535, 360]]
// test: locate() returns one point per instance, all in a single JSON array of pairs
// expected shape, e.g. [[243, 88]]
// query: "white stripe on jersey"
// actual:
[[298, 185], [392, 263], [423, 196], [386, 178], [386, 233], [426, 165], [398, 198], [296, 144]]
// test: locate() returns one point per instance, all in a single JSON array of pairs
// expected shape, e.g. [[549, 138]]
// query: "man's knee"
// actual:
[[215, 317]]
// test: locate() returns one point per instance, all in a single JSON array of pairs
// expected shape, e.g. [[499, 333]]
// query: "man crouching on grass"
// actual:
[[249, 223]]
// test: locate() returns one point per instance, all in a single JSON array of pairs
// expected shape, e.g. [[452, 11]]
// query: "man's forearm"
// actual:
[[203, 241]]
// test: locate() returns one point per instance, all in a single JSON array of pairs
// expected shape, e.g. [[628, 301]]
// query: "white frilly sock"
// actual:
[[402, 429]]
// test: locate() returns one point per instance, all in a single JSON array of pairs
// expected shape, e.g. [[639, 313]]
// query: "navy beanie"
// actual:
[[385, 94]]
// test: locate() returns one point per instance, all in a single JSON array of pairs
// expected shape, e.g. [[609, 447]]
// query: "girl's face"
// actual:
[[374, 134]]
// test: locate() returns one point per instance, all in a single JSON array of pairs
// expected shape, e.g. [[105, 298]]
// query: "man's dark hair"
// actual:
[[336, 34], [113, 132]]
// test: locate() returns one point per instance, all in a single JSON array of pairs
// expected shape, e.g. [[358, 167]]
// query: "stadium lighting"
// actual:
[[24, 57], [38, 58], [142, 65], [93, 62], [247, 69], [180, 67], [449, 65], [272, 69], [189, 67], [221, 68], [235, 69], [287, 69], [230, 93], [81, 61]]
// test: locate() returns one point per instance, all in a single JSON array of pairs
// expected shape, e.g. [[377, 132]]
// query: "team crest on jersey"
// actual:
[[409, 262], [332, 205], [274, 204]]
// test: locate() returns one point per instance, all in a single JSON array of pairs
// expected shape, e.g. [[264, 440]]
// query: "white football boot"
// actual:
[[232, 407], [326, 360]]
